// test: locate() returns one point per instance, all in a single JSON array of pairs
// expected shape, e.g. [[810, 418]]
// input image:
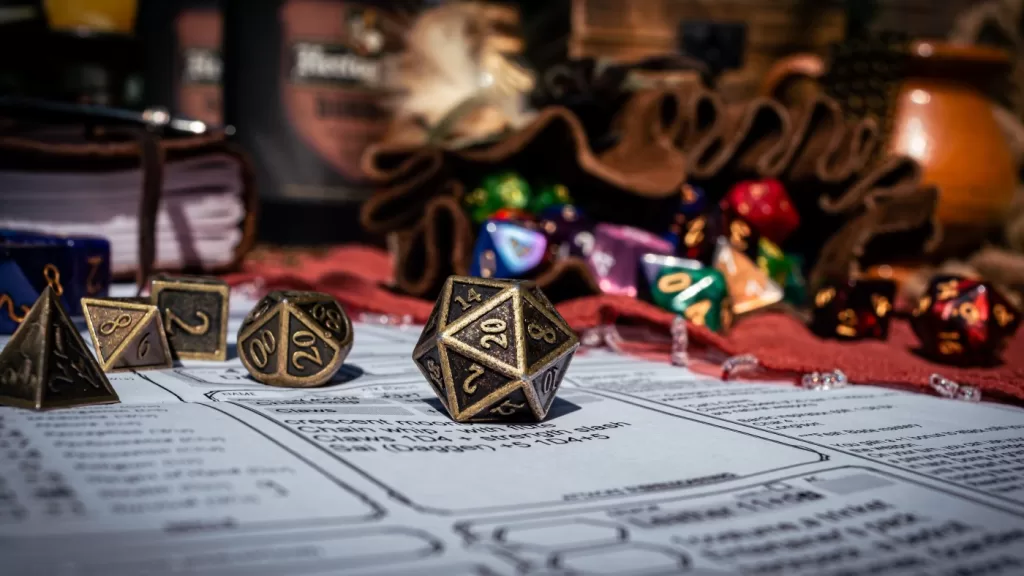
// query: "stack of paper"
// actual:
[[201, 210]]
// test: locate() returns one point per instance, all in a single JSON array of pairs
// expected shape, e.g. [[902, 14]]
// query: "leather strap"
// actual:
[[152, 160]]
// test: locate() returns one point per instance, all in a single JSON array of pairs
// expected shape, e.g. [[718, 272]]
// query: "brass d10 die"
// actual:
[[494, 350], [126, 335], [295, 339], [195, 315]]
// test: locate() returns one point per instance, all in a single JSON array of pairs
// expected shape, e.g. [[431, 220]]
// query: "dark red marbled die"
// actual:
[[699, 237], [963, 320], [766, 205], [851, 309]]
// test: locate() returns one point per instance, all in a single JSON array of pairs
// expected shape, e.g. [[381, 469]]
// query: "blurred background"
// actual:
[[280, 119]]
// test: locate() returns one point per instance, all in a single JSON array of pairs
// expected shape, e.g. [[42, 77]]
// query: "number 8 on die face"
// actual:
[[295, 339], [126, 335]]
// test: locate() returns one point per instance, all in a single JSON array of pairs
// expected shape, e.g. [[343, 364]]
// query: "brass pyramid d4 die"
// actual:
[[127, 335], [46, 364], [494, 350]]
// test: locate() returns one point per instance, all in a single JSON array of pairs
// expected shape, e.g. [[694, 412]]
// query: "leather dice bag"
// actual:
[[90, 149], [856, 205]]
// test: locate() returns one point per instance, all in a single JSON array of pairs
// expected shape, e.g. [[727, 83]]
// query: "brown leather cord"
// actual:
[[152, 161], [853, 211]]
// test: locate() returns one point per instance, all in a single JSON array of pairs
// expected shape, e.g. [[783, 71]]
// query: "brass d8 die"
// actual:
[[295, 339], [494, 350], [126, 335], [195, 315]]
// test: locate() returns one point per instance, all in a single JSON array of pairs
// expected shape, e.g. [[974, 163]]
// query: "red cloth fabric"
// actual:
[[357, 276]]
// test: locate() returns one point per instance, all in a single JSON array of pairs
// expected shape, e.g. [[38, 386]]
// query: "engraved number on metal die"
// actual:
[[111, 326], [468, 387], [143, 349], [65, 364], [548, 381], [262, 347], [507, 408], [538, 332], [305, 339], [494, 331], [466, 303], [434, 369], [328, 316], [172, 320]]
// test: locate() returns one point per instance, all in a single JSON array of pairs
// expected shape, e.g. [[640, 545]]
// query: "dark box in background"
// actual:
[[182, 41], [87, 66], [300, 87]]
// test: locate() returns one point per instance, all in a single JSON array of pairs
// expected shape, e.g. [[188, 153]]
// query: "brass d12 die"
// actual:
[[295, 339], [195, 314], [126, 335], [494, 350]]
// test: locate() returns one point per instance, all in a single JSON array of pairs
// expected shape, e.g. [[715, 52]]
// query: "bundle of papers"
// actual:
[[201, 210]]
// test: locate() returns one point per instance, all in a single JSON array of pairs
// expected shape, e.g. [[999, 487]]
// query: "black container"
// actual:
[[182, 40], [302, 89], [83, 66]]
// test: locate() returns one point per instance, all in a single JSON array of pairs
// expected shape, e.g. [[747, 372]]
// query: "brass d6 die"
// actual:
[[295, 339], [195, 315], [494, 350]]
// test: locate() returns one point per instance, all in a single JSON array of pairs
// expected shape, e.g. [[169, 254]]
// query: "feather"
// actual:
[[454, 55]]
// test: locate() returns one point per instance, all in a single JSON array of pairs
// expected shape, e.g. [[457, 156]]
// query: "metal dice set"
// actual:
[[46, 364], [183, 318], [492, 350], [714, 261]]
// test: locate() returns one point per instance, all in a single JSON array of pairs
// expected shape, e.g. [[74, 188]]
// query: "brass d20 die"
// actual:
[[195, 315], [295, 339], [494, 350], [126, 335], [46, 364]]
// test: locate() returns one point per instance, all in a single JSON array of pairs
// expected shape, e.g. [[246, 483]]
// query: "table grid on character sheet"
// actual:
[[641, 468]]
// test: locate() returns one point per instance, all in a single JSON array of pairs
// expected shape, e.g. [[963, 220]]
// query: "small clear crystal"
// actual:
[[739, 363], [968, 394], [824, 380], [944, 386], [680, 342], [950, 389]]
